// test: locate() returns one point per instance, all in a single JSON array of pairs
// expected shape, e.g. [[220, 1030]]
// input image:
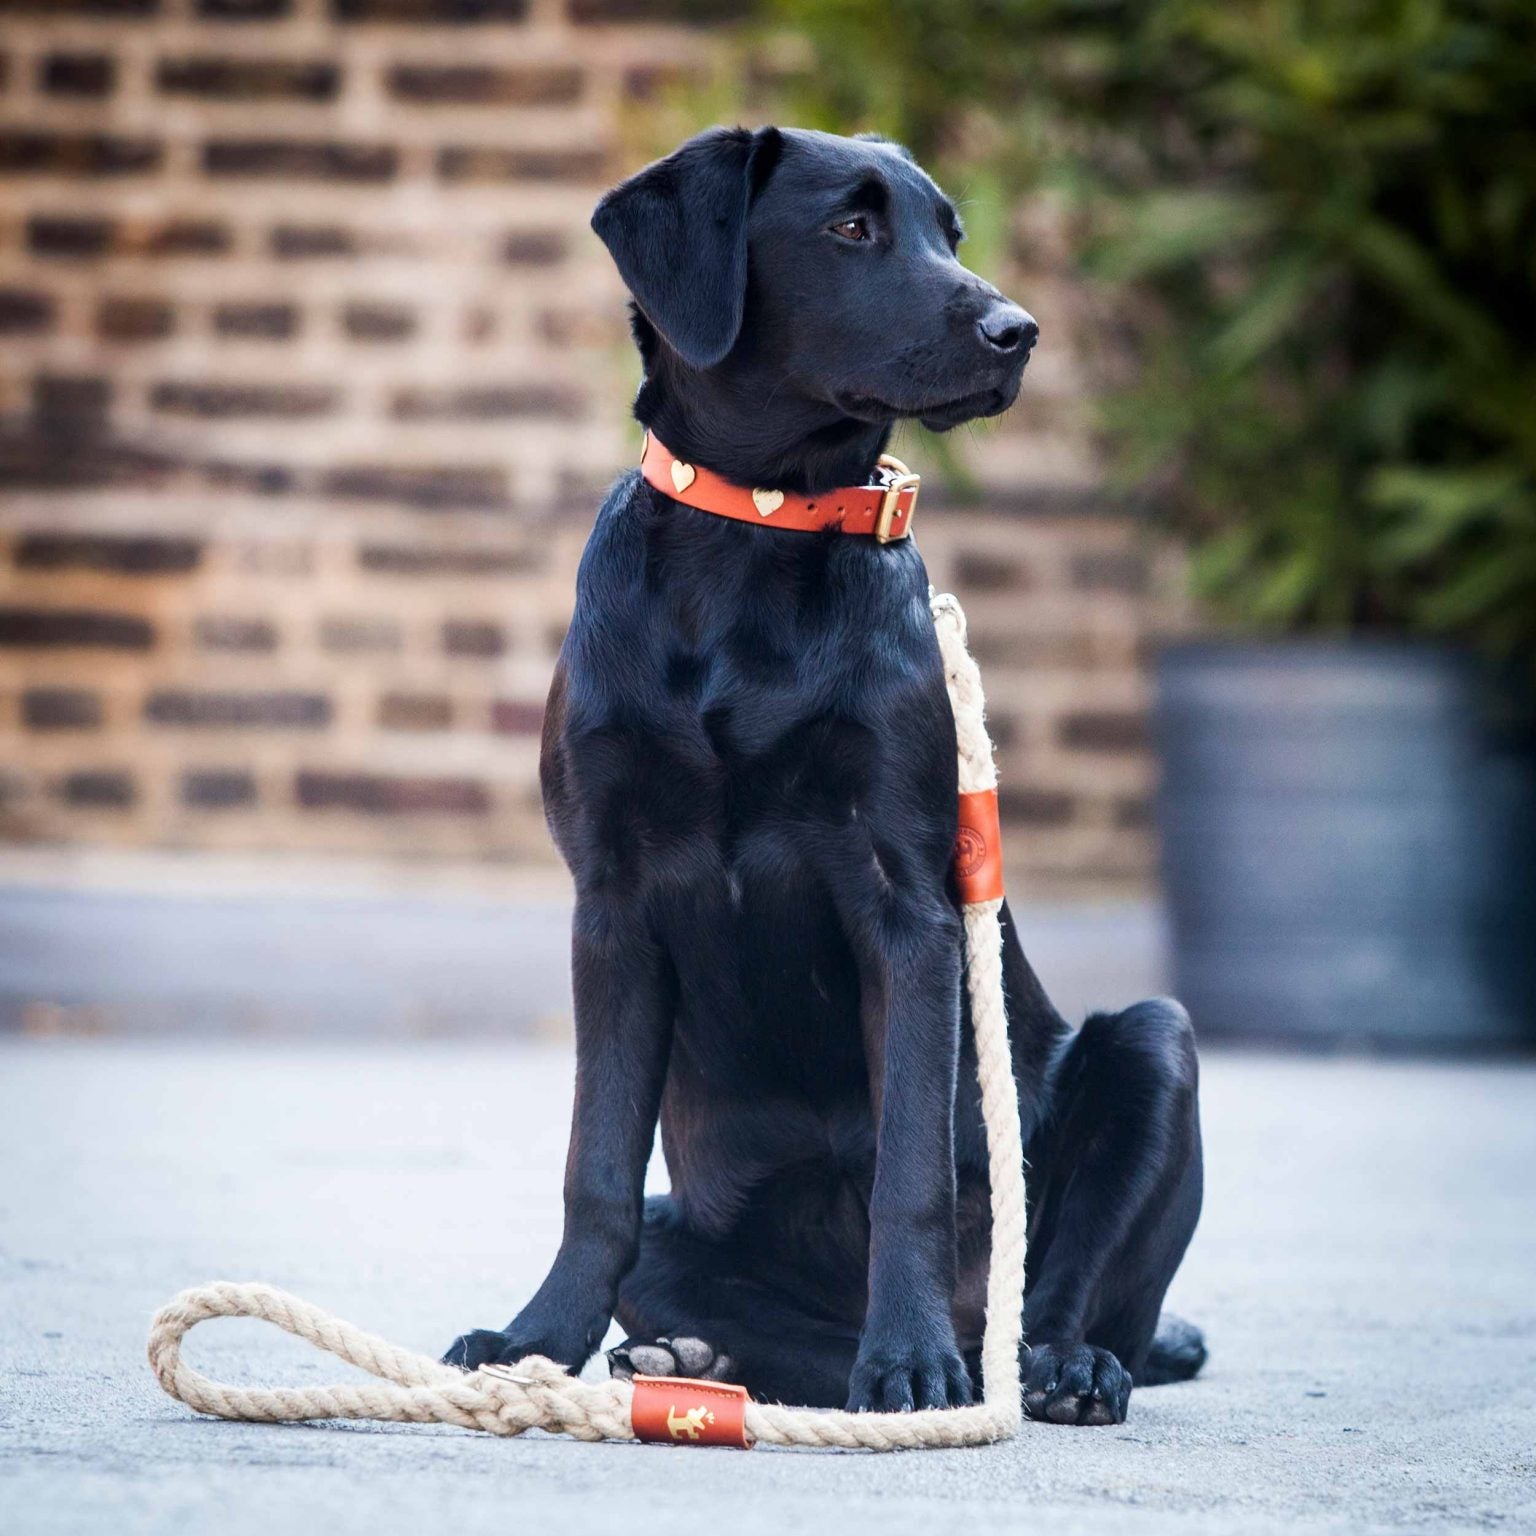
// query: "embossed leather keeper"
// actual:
[[979, 848], [677, 1410]]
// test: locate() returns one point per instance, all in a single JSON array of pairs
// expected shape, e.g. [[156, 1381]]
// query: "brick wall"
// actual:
[[310, 378]]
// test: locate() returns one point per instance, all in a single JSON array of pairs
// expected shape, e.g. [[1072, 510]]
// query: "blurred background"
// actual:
[[313, 376]]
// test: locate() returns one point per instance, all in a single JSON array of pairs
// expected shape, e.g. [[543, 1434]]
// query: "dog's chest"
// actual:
[[753, 726], [724, 682]]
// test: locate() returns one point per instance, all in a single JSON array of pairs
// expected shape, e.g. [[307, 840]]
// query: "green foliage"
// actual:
[[1314, 222]]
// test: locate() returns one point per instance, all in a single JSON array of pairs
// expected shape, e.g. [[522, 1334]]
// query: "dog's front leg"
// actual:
[[907, 1352], [623, 1029]]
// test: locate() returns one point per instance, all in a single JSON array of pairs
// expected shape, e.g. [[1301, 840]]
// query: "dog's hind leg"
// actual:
[[1115, 1187], [1177, 1352], [692, 1308]]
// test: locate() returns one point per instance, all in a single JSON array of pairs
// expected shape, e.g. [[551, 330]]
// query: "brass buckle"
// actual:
[[902, 479]]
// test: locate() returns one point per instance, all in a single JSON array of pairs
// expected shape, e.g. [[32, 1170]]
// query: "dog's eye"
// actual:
[[851, 229]]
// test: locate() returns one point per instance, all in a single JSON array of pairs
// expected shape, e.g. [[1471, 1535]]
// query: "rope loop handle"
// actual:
[[411, 1388], [539, 1394]]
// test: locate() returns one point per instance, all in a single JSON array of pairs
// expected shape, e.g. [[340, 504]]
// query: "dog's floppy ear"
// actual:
[[677, 232]]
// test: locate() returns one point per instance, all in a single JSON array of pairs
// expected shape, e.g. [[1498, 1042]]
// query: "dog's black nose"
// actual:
[[1007, 328]]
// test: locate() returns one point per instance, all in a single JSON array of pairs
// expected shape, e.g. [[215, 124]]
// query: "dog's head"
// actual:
[[824, 267]]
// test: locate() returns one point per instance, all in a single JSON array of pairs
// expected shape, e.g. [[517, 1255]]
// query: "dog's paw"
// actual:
[[490, 1346], [897, 1381], [1075, 1384], [680, 1356], [481, 1346]]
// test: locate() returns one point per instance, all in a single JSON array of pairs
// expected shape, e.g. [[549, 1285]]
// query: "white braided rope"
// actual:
[[538, 1394]]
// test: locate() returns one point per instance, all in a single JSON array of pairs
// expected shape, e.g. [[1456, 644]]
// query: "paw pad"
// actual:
[[680, 1356]]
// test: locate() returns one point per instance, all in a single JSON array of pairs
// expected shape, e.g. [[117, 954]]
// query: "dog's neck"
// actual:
[[734, 420]]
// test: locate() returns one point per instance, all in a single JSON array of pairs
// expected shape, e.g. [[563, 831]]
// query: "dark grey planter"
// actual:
[[1349, 845]]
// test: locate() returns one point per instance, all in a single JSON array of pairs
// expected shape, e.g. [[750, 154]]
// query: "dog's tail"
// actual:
[[1178, 1351]]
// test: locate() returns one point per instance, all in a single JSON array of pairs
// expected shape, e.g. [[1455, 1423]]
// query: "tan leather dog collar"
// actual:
[[883, 511]]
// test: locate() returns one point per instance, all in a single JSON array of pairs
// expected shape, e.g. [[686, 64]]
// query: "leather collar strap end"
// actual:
[[883, 511]]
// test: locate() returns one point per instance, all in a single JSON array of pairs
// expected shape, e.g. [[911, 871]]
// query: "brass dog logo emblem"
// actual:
[[690, 1424]]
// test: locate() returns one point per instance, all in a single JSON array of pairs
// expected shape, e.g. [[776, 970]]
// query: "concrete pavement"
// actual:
[[152, 944], [1366, 1272]]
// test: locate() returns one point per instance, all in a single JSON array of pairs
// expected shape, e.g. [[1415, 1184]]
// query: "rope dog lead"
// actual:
[[535, 1393]]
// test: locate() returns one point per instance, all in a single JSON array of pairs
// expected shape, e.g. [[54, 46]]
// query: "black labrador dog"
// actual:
[[749, 766]]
